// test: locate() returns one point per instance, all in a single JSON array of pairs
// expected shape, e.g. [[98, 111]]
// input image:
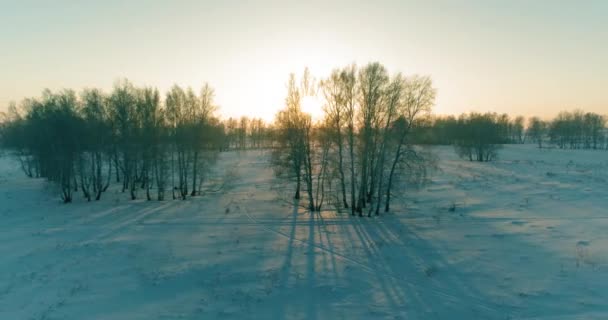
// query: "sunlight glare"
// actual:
[[313, 106]]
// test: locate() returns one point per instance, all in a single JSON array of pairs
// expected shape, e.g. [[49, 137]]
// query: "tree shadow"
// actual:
[[413, 273], [286, 266]]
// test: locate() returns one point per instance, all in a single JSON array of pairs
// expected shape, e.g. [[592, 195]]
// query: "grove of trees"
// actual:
[[478, 137], [85, 142], [578, 130], [355, 155]]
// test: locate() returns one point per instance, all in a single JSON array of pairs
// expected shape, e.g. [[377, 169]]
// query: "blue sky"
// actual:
[[519, 57]]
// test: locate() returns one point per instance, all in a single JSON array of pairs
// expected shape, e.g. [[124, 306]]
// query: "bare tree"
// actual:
[[536, 130], [96, 115], [178, 117], [348, 86], [201, 135], [308, 156], [296, 138], [418, 97], [323, 143], [290, 123], [393, 100], [160, 149], [336, 111], [480, 136], [372, 82], [517, 130], [148, 109], [122, 104]]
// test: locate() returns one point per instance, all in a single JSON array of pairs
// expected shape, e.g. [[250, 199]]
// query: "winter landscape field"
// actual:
[[523, 237], [303, 160]]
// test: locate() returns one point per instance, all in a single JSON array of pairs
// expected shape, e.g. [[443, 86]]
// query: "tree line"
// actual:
[[369, 141], [246, 133], [578, 130], [478, 137]]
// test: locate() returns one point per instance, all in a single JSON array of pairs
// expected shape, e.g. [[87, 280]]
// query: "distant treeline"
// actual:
[[569, 130]]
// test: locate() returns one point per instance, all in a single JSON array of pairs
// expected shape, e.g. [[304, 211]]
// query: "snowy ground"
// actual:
[[527, 240]]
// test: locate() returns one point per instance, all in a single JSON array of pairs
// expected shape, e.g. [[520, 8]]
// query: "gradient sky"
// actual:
[[520, 57]]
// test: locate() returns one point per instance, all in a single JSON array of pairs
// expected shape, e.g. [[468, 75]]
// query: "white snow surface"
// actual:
[[527, 240]]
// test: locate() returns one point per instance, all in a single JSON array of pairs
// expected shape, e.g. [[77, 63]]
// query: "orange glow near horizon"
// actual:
[[553, 58]]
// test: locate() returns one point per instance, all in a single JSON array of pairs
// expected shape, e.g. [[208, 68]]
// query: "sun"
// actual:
[[313, 106]]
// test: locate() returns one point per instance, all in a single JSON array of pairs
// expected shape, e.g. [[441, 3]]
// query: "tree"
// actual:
[[517, 130], [202, 134], [290, 124], [348, 87], [480, 136], [179, 117], [242, 132], [161, 141], [16, 136], [336, 112], [57, 128], [147, 110], [98, 139], [323, 141], [296, 151], [593, 126], [536, 130], [393, 99], [123, 116], [372, 81], [418, 97]]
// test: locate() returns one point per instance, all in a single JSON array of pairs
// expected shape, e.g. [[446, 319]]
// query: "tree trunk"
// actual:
[[341, 167], [194, 173], [109, 177], [148, 197], [132, 189], [392, 172], [321, 179], [298, 182], [363, 186], [352, 170], [380, 170], [173, 173], [116, 166]]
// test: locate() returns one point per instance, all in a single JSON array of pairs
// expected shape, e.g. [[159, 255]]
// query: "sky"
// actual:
[[518, 57]]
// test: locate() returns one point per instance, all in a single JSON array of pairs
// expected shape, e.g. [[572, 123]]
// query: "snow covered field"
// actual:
[[528, 240]]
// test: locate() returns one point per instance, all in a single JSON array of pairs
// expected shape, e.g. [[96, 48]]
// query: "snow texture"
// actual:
[[520, 238]]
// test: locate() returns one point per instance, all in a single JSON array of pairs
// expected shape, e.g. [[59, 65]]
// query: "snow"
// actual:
[[527, 240]]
